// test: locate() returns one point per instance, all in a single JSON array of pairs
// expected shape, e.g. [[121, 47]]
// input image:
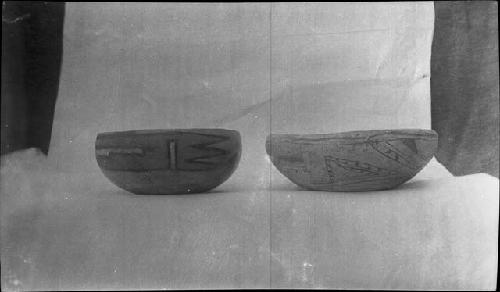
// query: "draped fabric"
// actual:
[[464, 86], [31, 61]]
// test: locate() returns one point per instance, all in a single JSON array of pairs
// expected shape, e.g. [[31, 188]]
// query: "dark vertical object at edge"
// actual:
[[31, 63], [465, 86]]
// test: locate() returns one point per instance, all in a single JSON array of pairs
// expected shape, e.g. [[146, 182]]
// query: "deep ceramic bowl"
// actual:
[[352, 161], [168, 161]]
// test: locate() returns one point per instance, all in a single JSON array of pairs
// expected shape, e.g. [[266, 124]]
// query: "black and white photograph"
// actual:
[[249, 145]]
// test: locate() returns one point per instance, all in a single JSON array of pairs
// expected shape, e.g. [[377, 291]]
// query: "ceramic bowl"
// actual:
[[352, 161], [168, 161]]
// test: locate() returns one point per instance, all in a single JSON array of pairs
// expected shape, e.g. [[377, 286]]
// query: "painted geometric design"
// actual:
[[410, 143], [351, 171], [204, 152], [405, 157], [352, 161], [114, 151], [119, 154], [185, 151]]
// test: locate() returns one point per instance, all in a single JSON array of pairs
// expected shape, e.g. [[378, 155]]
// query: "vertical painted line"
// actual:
[[172, 155]]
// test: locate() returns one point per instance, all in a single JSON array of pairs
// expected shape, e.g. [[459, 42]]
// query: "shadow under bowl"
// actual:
[[352, 161], [177, 161]]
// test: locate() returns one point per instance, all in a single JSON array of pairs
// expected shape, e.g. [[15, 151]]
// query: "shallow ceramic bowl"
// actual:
[[352, 161], [168, 161]]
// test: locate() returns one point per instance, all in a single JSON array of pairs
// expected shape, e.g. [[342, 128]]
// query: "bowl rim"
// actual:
[[169, 131], [357, 134]]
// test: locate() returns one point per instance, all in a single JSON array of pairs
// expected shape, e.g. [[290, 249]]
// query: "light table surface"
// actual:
[[66, 232]]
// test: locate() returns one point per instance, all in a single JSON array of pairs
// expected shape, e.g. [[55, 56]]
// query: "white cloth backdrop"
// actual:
[[327, 67], [257, 68]]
